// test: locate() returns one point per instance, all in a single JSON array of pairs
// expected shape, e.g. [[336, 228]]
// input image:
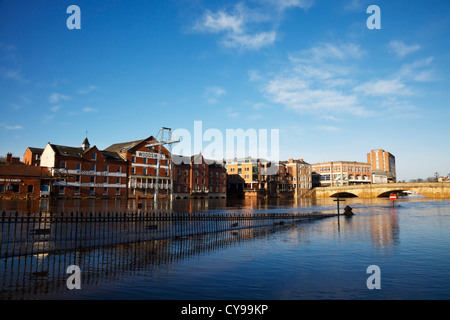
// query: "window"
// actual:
[[145, 171], [118, 180], [105, 191], [106, 168], [92, 179], [119, 169], [61, 190], [77, 179], [77, 190], [91, 191], [63, 164], [2, 188], [133, 159], [94, 156], [106, 179], [133, 170], [30, 189], [117, 191], [144, 192], [132, 192], [145, 160], [78, 166], [93, 167]]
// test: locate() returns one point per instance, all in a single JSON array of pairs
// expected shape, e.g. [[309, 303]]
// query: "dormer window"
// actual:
[[94, 156]]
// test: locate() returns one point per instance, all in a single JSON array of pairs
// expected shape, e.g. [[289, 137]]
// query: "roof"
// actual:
[[36, 150], [79, 152], [19, 170], [126, 146]]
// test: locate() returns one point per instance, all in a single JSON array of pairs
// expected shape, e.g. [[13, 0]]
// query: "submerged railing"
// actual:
[[44, 233]]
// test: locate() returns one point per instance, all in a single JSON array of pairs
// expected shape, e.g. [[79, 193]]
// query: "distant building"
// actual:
[[383, 166], [32, 156], [18, 180], [197, 177], [298, 175], [340, 173], [142, 168], [85, 171]]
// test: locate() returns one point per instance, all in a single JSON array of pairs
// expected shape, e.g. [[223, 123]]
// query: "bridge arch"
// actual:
[[343, 195]]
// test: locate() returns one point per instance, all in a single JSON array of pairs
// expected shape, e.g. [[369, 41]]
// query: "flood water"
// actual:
[[324, 259]]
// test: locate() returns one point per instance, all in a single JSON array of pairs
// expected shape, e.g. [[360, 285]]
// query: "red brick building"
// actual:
[[197, 177], [142, 168], [32, 156], [85, 171], [18, 180]]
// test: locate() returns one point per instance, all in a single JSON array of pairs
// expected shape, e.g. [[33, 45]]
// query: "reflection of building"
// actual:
[[382, 165], [84, 171], [197, 177], [142, 167], [340, 173]]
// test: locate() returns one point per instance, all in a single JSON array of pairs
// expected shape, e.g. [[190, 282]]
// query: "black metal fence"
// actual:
[[43, 233]]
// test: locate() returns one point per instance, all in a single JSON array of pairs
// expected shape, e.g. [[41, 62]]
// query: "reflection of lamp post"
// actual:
[[436, 174]]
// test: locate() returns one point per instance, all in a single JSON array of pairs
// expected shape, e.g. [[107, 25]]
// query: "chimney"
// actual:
[[291, 160], [9, 157], [301, 160]]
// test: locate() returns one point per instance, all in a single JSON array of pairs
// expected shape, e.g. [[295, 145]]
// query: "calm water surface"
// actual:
[[325, 259]]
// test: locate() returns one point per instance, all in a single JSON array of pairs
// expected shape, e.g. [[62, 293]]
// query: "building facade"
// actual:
[[32, 156], [18, 180], [383, 166], [340, 173], [197, 177], [144, 177], [298, 175], [85, 172]]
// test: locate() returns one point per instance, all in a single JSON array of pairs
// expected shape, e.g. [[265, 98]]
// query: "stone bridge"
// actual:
[[436, 190]]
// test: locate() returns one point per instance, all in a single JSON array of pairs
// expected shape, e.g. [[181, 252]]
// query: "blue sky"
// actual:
[[310, 68]]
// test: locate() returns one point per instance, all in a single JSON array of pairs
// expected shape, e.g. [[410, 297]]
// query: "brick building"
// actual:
[[340, 173], [85, 171], [18, 180], [382, 165], [142, 168], [32, 156], [297, 176], [197, 177]]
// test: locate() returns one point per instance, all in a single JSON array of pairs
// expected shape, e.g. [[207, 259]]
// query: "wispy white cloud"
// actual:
[[89, 109], [213, 93], [12, 127], [87, 89], [13, 74], [55, 108], [401, 49], [383, 87], [245, 28], [57, 97]]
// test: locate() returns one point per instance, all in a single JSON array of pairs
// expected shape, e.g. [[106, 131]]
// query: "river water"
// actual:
[[324, 259]]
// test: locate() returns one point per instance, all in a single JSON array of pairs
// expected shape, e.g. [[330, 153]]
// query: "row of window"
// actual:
[[63, 165], [146, 172], [105, 179], [15, 188], [163, 162], [344, 168]]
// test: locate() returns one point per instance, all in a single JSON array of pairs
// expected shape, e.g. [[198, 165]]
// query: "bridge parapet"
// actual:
[[436, 190]]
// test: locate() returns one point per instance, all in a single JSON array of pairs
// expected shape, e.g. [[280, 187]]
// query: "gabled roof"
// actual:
[[127, 146], [36, 150], [68, 151], [79, 152]]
